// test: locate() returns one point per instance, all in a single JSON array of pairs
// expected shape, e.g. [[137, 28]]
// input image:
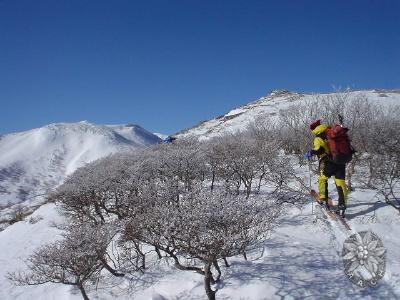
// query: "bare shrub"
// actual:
[[17, 214], [383, 155], [75, 260], [207, 226]]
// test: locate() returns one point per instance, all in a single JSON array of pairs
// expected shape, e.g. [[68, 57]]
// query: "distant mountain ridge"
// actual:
[[301, 259], [239, 117], [36, 161]]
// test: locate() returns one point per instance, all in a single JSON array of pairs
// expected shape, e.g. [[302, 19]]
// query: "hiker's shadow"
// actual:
[[311, 273], [370, 208]]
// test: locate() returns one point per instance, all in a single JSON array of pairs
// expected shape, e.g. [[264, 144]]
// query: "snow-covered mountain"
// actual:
[[161, 135], [238, 118], [301, 260], [35, 162]]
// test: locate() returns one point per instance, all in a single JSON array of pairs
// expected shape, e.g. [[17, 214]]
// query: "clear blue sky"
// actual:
[[167, 65]]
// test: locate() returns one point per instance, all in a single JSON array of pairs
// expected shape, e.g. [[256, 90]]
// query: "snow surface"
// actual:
[[270, 105], [161, 135], [34, 162], [301, 260]]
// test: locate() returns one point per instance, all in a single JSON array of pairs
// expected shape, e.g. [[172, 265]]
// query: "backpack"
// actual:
[[339, 144]]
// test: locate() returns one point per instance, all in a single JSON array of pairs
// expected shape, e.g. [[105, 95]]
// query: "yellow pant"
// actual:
[[340, 185]]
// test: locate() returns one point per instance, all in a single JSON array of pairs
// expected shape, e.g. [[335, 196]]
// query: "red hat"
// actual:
[[315, 124]]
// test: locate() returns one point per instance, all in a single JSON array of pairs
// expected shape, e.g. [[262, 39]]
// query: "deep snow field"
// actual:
[[301, 260], [34, 162]]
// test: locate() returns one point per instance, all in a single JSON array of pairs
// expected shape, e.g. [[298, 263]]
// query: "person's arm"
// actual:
[[320, 151], [318, 146]]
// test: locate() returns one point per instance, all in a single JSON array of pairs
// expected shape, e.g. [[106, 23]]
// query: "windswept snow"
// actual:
[[301, 260], [34, 162], [270, 105], [21, 240], [161, 135]]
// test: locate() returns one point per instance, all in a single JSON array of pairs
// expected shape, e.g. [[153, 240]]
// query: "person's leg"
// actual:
[[323, 180], [340, 176], [323, 187]]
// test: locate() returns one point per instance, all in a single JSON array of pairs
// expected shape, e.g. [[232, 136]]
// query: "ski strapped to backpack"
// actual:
[[339, 143]]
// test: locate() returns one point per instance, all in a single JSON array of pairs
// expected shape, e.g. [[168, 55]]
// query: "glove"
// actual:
[[308, 155]]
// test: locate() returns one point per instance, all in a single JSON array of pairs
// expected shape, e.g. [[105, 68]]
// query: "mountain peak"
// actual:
[[280, 92], [238, 118], [132, 125], [36, 161]]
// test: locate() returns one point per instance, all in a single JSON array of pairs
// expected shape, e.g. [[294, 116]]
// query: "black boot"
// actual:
[[328, 206], [323, 203], [340, 209]]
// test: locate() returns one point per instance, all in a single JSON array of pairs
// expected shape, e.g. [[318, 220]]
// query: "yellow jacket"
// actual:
[[321, 147]]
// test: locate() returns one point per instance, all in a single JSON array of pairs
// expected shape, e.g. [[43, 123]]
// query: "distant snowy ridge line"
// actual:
[[238, 160], [112, 183], [36, 161], [272, 104], [302, 259]]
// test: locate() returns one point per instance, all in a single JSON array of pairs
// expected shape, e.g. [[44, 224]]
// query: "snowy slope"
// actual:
[[36, 161], [301, 260], [270, 105], [161, 135]]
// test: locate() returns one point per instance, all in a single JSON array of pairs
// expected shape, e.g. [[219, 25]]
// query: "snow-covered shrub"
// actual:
[[214, 225], [386, 177], [206, 225], [251, 158], [18, 213], [383, 155], [75, 260], [240, 160], [35, 219], [103, 190], [178, 199], [184, 161]]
